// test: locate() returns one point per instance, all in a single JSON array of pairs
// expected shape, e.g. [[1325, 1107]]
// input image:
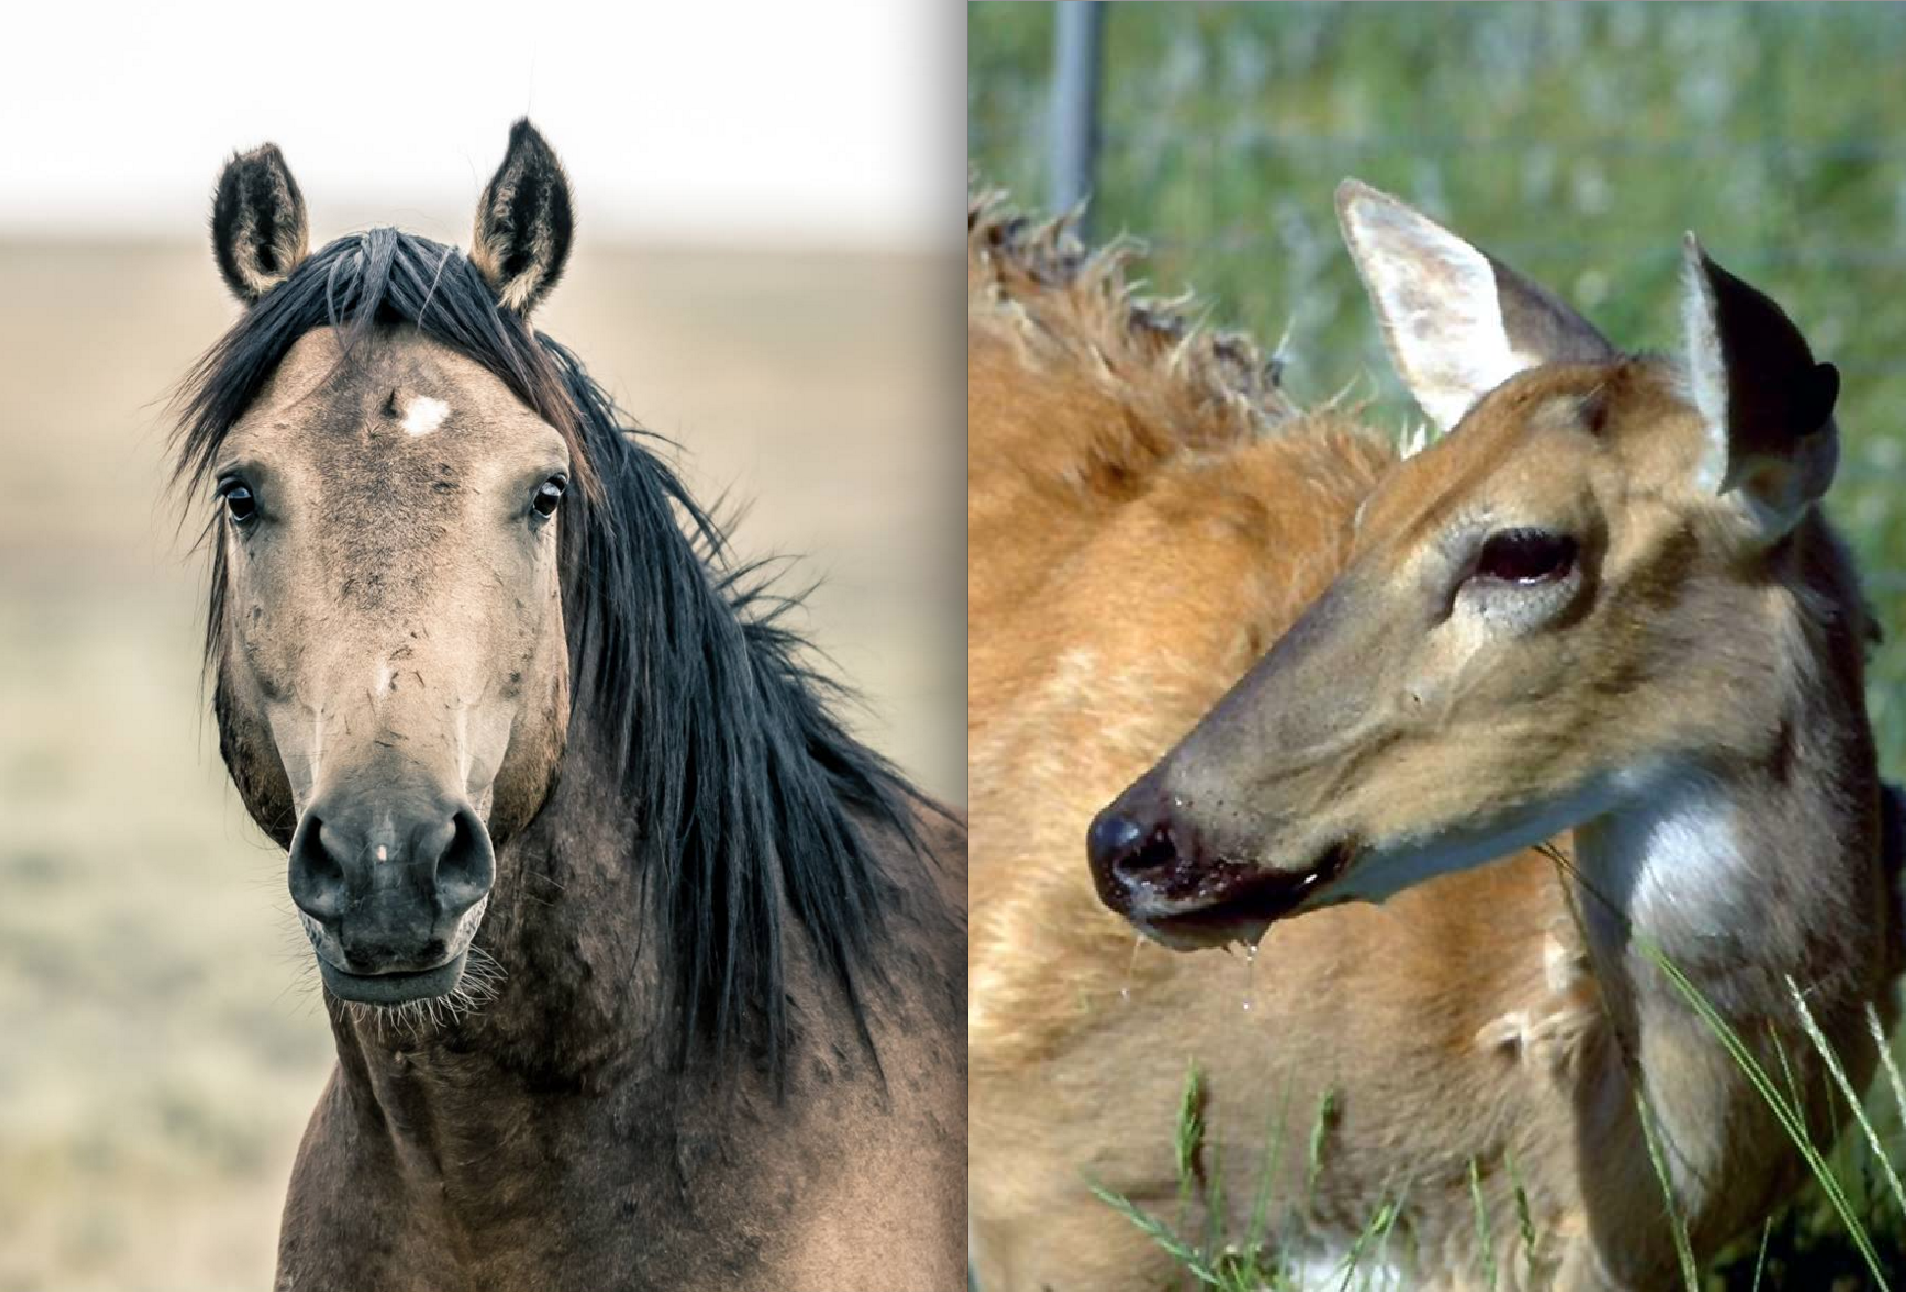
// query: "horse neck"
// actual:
[[1756, 881], [580, 1000]]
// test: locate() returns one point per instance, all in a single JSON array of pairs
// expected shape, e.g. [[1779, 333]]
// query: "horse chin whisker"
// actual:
[[481, 983]]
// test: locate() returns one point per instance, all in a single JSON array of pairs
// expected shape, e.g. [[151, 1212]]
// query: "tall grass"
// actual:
[[1799, 1254], [1248, 1263]]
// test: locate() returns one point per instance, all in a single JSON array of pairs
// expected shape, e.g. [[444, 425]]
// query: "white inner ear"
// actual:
[[1707, 366], [1436, 298]]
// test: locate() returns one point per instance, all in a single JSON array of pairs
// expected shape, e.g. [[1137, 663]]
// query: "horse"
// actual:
[[642, 971], [1541, 753]]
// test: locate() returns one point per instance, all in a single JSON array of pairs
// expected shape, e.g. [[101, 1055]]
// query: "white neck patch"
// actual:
[[424, 415], [1674, 857]]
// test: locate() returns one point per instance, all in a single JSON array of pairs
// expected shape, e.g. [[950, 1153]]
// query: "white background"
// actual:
[[816, 123]]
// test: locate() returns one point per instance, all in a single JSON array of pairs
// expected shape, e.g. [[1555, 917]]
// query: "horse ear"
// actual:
[[258, 224], [1457, 321], [1766, 405], [524, 222]]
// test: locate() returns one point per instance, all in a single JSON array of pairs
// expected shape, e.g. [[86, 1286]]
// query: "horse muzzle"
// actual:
[[391, 885]]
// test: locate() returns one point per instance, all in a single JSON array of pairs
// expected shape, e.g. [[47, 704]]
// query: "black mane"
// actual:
[[742, 783]]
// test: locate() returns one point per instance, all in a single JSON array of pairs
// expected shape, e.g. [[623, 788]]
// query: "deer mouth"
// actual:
[[1238, 901]]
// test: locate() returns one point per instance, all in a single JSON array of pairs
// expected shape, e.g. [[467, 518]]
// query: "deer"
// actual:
[[1529, 767]]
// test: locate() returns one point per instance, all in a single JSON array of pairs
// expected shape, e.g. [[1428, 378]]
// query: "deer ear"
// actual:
[[524, 222], [1766, 405], [258, 223], [1457, 321]]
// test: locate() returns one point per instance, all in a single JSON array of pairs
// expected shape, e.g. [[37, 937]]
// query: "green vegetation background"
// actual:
[[1577, 141]]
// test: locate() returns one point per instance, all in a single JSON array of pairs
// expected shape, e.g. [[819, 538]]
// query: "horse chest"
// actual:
[[401, 1185]]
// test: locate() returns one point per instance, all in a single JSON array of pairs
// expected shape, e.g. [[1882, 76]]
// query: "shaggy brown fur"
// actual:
[[1105, 433]]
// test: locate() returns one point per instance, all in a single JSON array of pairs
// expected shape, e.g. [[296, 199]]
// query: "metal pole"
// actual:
[[1077, 45]]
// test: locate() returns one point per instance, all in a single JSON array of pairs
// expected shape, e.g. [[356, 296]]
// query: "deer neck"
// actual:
[[1756, 878], [1685, 865]]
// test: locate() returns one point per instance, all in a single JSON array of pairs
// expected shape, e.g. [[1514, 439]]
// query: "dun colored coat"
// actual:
[[642, 972]]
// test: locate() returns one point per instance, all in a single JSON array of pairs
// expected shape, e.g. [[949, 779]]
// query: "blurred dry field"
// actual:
[[161, 1040]]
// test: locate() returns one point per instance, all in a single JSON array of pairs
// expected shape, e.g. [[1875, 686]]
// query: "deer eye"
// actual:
[[1526, 556], [240, 505], [549, 495]]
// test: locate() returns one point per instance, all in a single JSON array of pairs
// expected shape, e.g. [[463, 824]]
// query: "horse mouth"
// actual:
[[1240, 903], [398, 988]]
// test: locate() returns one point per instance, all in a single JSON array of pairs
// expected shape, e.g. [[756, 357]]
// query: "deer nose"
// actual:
[[1126, 849]]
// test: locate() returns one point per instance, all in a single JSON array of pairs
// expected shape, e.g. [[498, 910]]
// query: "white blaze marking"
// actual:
[[383, 853], [425, 415]]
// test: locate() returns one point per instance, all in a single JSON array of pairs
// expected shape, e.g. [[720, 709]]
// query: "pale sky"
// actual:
[[832, 122]]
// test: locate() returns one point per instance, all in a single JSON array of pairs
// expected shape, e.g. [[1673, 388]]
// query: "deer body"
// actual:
[[1143, 526]]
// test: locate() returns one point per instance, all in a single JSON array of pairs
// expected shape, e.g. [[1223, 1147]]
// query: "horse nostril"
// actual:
[[1121, 846], [351, 853], [467, 866], [317, 877]]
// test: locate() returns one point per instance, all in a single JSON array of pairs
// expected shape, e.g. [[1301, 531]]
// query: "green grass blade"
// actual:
[[1159, 1232], [1852, 1097], [1274, 1155], [1886, 1059], [1788, 1117], [1683, 1249], [1760, 1257], [1525, 1219], [1484, 1242], [1188, 1137], [1317, 1133], [1374, 1233]]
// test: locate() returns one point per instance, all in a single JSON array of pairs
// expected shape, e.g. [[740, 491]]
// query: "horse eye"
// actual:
[[1526, 556], [240, 505], [548, 494]]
